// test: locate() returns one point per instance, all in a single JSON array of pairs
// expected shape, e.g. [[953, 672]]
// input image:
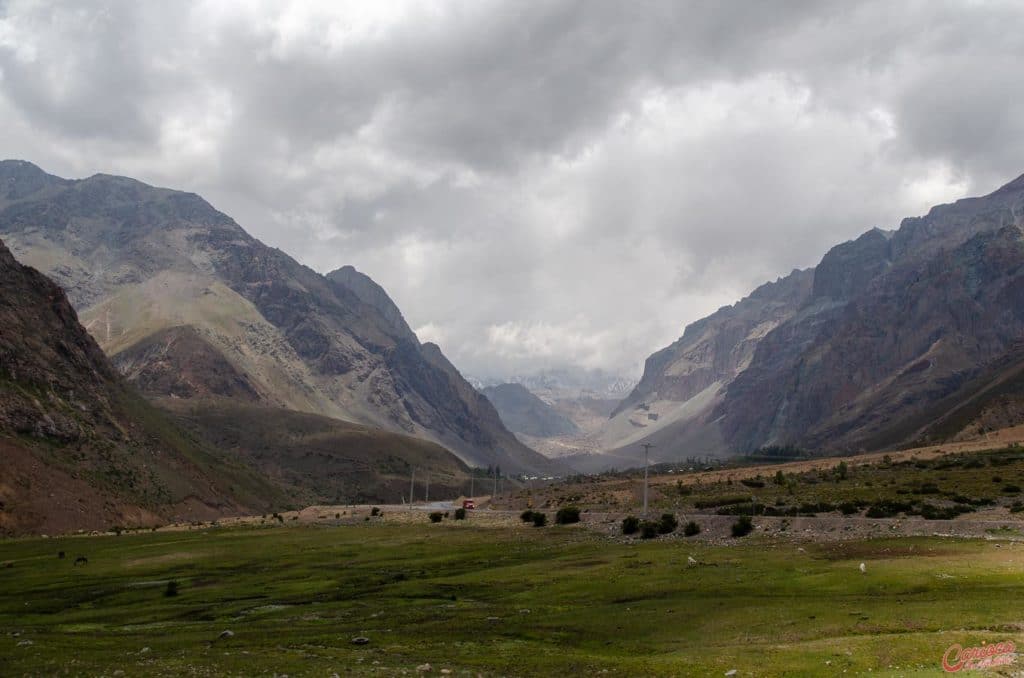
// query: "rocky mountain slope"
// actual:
[[188, 304], [523, 412], [871, 348], [80, 449]]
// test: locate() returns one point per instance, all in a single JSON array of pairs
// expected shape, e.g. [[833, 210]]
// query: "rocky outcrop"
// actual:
[[178, 362]]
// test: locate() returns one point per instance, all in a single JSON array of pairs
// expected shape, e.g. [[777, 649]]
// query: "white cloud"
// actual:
[[535, 184]]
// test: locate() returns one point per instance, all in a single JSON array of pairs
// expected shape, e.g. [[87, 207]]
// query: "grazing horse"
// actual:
[[81, 560]]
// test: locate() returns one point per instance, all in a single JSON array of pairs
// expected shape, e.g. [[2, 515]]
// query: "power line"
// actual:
[[647, 448]]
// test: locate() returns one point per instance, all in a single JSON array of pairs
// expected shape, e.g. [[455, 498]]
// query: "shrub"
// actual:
[[668, 523], [375, 511], [691, 528], [1012, 489], [888, 509], [630, 525], [526, 516], [751, 482], [648, 529], [819, 507], [171, 590], [436, 517], [932, 512], [848, 508], [742, 527], [567, 515], [460, 514], [780, 477], [720, 501], [540, 519]]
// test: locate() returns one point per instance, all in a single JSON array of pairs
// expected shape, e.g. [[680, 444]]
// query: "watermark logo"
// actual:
[[959, 658]]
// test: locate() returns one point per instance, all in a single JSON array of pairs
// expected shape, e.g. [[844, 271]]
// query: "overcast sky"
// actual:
[[535, 183]]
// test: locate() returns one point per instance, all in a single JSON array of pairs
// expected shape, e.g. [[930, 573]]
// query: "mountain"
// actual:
[[189, 305], [318, 460], [80, 449], [578, 399], [523, 412], [875, 347], [566, 383]]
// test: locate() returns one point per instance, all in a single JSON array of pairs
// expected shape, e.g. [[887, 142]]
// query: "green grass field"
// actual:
[[497, 601]]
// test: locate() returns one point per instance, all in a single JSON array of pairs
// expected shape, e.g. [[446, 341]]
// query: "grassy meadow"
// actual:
[[475, 600]]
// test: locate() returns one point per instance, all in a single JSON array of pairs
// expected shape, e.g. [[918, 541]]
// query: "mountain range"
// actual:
[[187, 305], [266, 383], [893, 338]]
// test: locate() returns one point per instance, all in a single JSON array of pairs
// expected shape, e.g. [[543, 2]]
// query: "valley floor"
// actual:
[[486, 597]]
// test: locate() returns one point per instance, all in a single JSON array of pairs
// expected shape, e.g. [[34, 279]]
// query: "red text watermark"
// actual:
[[959, 658]]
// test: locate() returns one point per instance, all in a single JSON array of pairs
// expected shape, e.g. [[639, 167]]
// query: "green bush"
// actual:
[[460, 514], [648, 529], [888, 509], [668, 523], [691, 528], [567, 515], [1012, 489], [375, 511], [436, 517], [630, 525], [171, 590], [526, 516], [539, 519], [742, 527], [752, 482], [848, 508]]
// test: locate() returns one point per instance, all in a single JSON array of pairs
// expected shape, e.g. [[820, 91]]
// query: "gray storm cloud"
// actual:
[[536, 184]]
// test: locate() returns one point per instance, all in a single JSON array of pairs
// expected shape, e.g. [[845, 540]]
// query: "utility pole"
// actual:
[[412, 487], [495, 493], [472, 481], [647, 448], [426, 496]]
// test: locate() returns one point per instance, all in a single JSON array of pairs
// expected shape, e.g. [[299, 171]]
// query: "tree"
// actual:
[[668, 523], [630, 525], [842, 470], [567, 515], [742, 527]]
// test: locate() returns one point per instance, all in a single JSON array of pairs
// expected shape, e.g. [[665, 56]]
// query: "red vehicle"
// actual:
[[468, 504]]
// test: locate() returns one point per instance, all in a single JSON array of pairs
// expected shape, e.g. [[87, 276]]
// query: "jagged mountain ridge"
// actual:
[[887, 328], [138, 260]]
